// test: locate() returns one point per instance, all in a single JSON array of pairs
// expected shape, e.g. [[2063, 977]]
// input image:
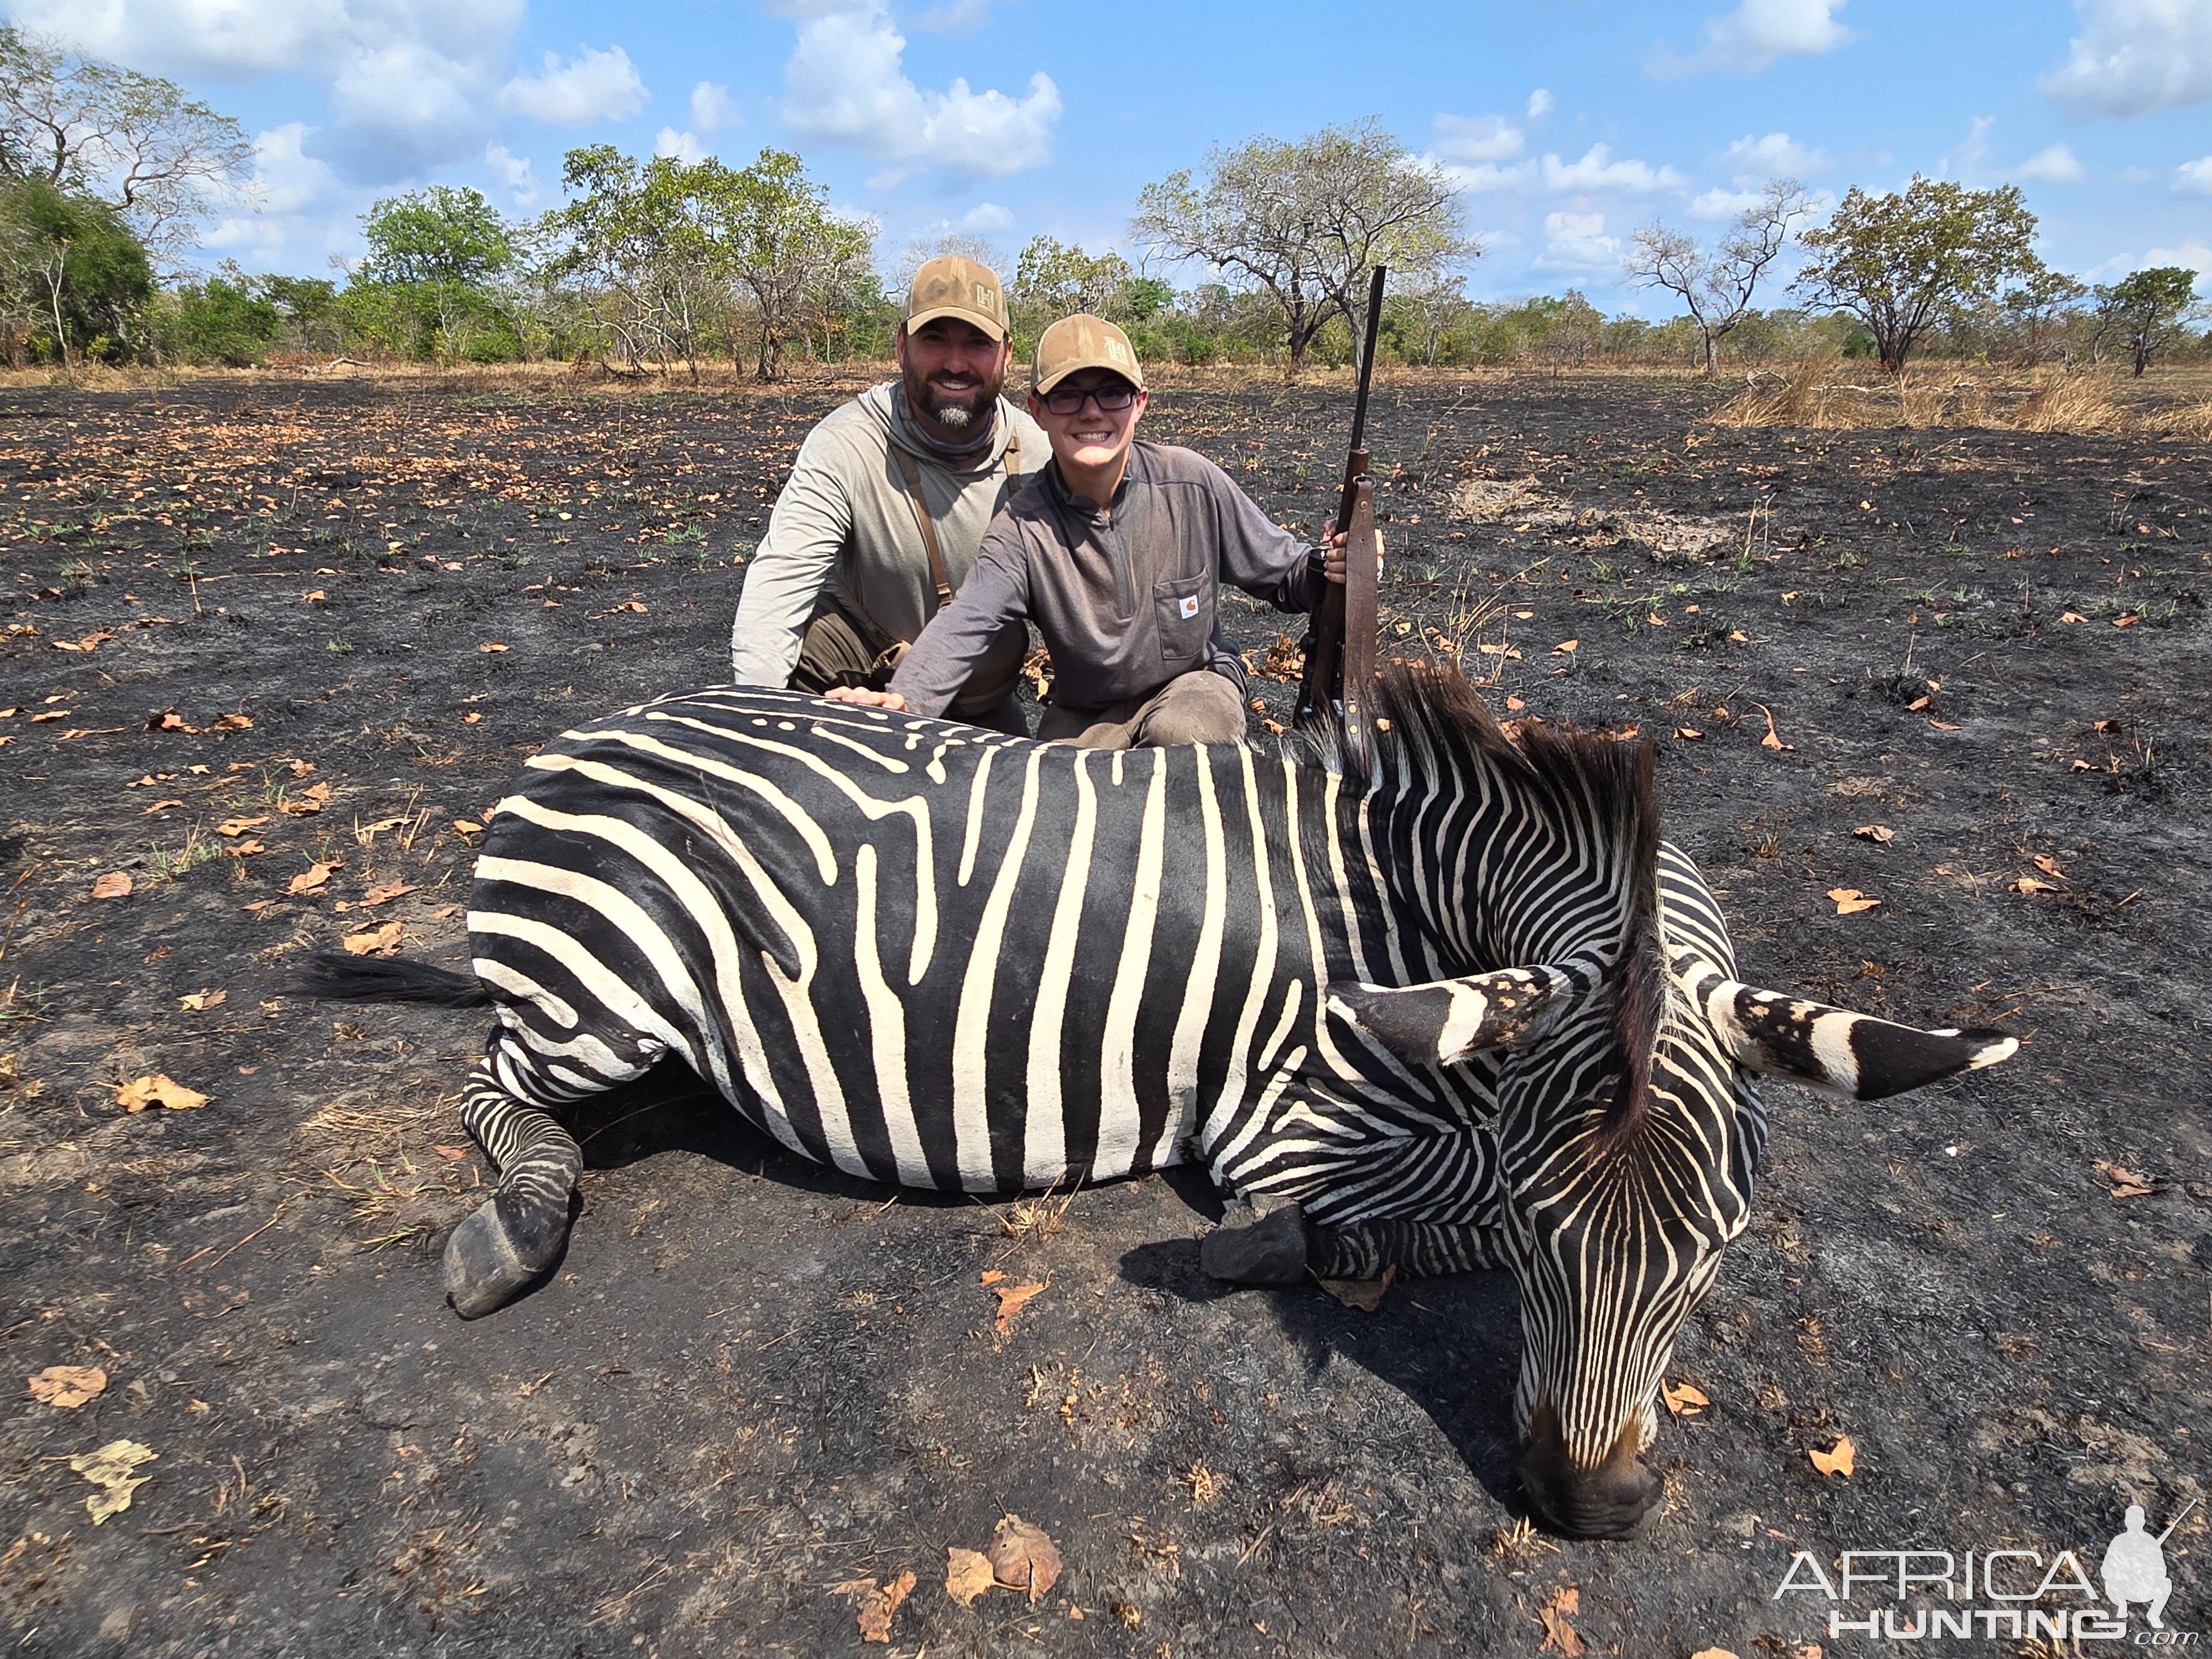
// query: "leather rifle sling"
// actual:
[[911, 469]]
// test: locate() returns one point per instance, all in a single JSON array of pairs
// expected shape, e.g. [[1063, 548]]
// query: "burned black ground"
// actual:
[[753, 1381]]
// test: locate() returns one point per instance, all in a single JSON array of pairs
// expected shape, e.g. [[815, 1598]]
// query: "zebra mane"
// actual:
[[1435, 725]]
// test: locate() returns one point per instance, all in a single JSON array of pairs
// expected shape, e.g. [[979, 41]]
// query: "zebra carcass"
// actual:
[[1474, 1013]]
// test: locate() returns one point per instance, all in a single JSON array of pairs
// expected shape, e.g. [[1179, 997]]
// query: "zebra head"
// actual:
[[1628, 1125]]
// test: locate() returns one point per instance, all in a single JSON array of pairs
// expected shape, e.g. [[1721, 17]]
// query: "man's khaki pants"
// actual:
[[832, 654], [1199, 707]]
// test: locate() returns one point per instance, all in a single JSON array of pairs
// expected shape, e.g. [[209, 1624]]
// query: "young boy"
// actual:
[[1117, 553]]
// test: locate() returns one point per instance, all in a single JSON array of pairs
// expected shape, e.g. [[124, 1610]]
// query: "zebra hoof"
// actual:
[[484, 1271], [1271, 1251]]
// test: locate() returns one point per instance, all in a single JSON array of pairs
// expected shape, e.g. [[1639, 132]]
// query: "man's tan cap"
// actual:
[[1083, 342], [955, 286]]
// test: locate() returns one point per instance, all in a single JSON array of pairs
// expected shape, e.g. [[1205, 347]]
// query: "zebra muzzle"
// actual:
[[1609, 1499]]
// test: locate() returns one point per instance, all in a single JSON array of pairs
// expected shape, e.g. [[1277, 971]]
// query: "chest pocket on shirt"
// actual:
[[1180, 605]]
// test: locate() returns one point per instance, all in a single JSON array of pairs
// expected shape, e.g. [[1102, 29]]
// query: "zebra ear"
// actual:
[[1449, 1019], [1835, 1049]]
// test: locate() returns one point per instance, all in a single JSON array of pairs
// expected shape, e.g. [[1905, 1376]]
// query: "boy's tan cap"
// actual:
[[954, 286], [1083, 342]]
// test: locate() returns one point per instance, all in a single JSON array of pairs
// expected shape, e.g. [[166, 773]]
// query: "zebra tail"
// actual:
[[331, 977]]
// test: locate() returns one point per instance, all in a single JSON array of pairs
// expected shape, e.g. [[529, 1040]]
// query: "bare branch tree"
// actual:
[[134, 141], [1717, 287]]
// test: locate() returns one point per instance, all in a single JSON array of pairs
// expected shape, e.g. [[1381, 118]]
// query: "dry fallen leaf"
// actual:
[[1684, 1399], [1838, 1459], [1688, 733], [67, 1386], [2033, 884], [116, 883], [491, 647], [308, 801], [159, 806], [234, 827], [994, 1276], [1567, 647], [1011, 1300], [1849, 901], [1023, 1558], [2049, 866], [233, 723], [385, 891], [1713, 1653], [967, 1574], [875, 1607], [1880, 834], [159, 1089], [1773, 739], [1557, 1632], [2126, 1183], [109, 1468], [1364, 1294], [468, 827], [383, 940], [246, 850], [2073, 616], [199, 1001], [313, 875]]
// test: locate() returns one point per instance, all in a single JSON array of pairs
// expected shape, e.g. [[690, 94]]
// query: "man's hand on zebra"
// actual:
[[1333, 562], [860, 693]]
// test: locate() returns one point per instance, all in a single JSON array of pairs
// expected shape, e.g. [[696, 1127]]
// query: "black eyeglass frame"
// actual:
[[1111, 398]]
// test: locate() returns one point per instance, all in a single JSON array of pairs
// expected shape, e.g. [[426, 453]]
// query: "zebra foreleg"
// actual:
[[1418, 1250], [513, 1240]]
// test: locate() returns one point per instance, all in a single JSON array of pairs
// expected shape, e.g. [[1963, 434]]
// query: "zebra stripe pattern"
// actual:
[[1472, 1012]]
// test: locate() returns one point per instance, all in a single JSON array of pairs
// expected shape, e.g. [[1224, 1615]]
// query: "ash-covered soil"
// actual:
[[258, 627]]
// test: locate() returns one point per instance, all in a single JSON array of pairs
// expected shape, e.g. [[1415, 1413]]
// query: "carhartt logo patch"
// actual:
[[1188, 606]]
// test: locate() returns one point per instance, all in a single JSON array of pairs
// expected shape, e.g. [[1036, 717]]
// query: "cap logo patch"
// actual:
[[1117, 352], [1188, 606], [984, 300]]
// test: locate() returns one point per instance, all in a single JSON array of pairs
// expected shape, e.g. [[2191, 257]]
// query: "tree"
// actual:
[[1054, 279], [2145, 308], [2035, 314], [441, 234], [71, 272], [1717, 286], [1900, 263], [134, 142], [223, 320], [1304, 221], [786, 249]]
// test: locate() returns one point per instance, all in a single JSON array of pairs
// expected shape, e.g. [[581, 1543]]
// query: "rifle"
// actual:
[[1340, 642]]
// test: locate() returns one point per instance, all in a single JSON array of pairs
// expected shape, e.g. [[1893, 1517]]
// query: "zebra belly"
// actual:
[[916, 951]]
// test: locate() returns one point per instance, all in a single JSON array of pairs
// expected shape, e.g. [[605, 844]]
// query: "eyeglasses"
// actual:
[[1110, 400]]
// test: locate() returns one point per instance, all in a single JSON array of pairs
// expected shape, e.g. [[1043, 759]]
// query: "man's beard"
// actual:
[[954, 411]]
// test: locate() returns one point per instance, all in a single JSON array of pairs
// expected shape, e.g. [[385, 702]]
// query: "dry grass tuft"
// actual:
[[1816, 396], [2070, 403], [2192, 422]]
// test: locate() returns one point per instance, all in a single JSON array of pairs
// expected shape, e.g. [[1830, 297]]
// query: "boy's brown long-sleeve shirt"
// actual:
[[1124, 595]]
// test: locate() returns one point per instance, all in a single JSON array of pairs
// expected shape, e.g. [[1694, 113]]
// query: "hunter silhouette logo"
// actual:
[[2135, 1566]]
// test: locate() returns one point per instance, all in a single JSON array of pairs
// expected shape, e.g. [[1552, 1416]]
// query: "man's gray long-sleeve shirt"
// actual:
[[1124, 595], [845, 526]]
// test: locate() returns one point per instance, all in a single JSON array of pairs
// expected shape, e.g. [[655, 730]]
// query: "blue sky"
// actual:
[[1570, 121]]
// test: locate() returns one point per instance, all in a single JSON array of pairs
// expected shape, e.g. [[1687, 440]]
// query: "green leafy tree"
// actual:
[[796, 260], [1304, 222], [1054, 279], [1902, 263], [1716, 285], [134, 142], [222, 319], [2145, 309], [74, 277], [431, 279]]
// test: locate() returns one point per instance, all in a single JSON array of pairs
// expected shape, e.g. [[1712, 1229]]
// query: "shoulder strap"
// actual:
[[912, 469]]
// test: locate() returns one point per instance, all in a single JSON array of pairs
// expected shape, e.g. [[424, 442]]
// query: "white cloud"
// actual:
[[1777, 156], [593, 86], [2054, 163], [960, 17], [845, 83], [514, 171], [1476, 138], [2133, 57], [2191, 255], [1718, 204], [985, 217], [711, 108], [1577, 241], [1597, 170], [1756, 32], [1964, 162], [1540, 104], [408, 79], [2194, 176], [286, 179], [683, 146]]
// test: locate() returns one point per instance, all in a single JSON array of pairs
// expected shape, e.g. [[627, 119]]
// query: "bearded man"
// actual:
[[879, 524]]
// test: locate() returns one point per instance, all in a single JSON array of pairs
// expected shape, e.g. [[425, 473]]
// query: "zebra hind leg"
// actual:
[[513, 1240]]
